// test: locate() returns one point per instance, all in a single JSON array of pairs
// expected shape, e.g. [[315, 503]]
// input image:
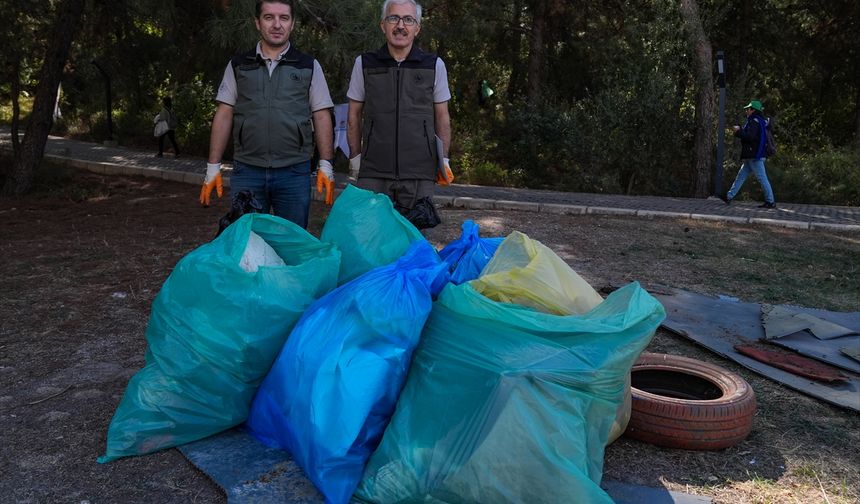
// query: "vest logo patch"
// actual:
[[294, 76]]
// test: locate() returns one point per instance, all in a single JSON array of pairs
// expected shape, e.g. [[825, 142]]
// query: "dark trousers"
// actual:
[[286, 189], [172, 135]]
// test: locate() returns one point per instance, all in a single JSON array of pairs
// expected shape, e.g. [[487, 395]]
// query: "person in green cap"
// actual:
[[753, 137]]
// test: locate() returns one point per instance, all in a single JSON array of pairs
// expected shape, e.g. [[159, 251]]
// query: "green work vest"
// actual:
[[399, 128], [272, 115]]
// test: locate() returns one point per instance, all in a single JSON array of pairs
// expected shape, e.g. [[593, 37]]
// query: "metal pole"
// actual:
[[721, 123], [109, 105]]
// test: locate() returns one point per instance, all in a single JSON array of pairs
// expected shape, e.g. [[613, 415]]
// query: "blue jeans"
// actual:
[[757, 167], [287, 190]]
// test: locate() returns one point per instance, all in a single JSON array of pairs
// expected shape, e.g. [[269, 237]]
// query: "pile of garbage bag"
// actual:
[[488, 371], [329, 395]]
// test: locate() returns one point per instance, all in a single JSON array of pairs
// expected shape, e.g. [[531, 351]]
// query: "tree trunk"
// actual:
[[16, 104], [536, 51], [20, 178], [701, 47], [857, 111], [516, 43], [744, 29]]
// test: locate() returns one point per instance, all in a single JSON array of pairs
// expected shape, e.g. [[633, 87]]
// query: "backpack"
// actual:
[[769, 142]]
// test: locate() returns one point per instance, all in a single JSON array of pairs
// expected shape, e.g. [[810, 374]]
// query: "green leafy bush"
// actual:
[[195, 105], [828, 176]]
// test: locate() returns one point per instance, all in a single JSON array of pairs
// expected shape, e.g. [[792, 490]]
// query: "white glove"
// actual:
[[326, 168], [354, 166], [212, 170], [444, 175]]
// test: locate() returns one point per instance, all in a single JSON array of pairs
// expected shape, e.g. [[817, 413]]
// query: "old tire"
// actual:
[[680, 402]]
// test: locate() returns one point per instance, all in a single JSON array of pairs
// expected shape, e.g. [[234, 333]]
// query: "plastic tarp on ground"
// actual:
[[719, 323], [213, 333], [333, 388], [507, 404], [469, 254], [367, 230]]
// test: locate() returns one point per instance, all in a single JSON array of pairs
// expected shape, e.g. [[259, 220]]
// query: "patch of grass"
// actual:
[[754, 263], [805, 471]]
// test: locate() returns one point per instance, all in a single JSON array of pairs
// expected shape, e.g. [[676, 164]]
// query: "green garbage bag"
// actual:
[[526, 272], [504, 403], [368, 231], [214, 331]]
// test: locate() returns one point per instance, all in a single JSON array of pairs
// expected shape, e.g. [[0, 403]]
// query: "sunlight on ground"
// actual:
[[159, 197], [491, 226], [853, 239]]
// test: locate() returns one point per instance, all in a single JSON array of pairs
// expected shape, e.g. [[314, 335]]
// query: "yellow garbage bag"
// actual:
[[528, 273]]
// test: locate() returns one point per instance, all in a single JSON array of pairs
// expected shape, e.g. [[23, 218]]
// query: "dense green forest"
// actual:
[[618, 96]]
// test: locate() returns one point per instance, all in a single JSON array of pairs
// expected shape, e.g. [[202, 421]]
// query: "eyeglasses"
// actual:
[[395, 19]]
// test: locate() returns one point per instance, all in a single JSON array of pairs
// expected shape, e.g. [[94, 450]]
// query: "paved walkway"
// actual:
[[119, 160]]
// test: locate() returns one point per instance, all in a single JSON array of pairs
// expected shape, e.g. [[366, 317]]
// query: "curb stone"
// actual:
[[86, 156]]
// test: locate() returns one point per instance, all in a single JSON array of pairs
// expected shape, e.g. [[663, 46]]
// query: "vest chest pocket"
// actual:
[[418, 87], [380, 91], [249, 80], [292, 83]]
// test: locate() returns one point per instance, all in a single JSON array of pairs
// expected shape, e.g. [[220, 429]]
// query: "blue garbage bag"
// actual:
[[368, 231], [468, 254], [334, 386], [504, 403], [214, 330]]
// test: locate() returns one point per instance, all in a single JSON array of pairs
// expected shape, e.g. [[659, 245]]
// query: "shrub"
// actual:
[[194, 103], [828, 176]]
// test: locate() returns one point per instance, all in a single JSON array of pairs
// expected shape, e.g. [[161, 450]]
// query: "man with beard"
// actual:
[[398, 123], [276, 102]]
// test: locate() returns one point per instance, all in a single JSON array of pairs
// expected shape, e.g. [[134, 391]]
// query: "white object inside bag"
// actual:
[[259, 253]]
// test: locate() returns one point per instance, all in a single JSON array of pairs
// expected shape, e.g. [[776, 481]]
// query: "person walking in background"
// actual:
[[276, 102], [169, 117], [398, 106], [753, 137]]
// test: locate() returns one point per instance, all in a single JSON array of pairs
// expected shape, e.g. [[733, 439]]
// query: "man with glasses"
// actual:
[[276, 102], [398, 127]]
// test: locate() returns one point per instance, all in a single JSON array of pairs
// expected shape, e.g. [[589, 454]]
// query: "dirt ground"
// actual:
[[83, 257]]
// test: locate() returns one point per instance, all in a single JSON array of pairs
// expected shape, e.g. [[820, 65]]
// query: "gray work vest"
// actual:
[[272, 115], [398, 129]]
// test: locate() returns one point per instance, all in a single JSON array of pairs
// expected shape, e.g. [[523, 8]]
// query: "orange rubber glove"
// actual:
[[444, 175], [325, 179], [212, 180]]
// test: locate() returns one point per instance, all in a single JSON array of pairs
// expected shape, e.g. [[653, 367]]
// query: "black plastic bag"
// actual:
[[423, 215], [243, 202]]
